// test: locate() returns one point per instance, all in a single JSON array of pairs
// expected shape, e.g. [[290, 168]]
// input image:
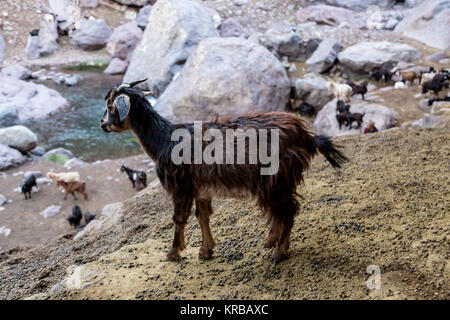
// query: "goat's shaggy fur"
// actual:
[[72, 187], [341, 91], [64, 176], [358, 88], [28, 184], [187, 183]]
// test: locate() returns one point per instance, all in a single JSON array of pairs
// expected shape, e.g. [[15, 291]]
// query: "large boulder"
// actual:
[[32, 101], [18, 137], [90, 35], [313, 89], [16, 71], [8, 114], [428, 23], [326, 123], [324, 56], [329, 15], [2, 49], [10, 157], [123, 40], [48, 36], [116, 66], [221, 77], [175, 28], [367, 56], [288, 44]]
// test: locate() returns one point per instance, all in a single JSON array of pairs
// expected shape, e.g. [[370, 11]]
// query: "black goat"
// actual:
[[88, 217], [445, 99], [188, 181], [381, 74], [434, 85], [341, 107], [29, 183], [358, 88], [137, 178], [306, 109], [75, 218]]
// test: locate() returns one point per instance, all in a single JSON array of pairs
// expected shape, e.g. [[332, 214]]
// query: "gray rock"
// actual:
[[74, 162], [16, 71], [32, 101], [32, 46], [51, 211], [38, 151], [288, 44], [240, 3], [123, 41], [71, 80], [10, 157], [8, 114], [116, 66], [367, 56], [18, 137], [359, 5], [325, 56], [143, 16], [326, 123], [231, 27], [428, 23], [48, 36], [88, 3], [90, 34], [221, 77], [437, 56], [427, 121], [2, 49], [382, 19], [136, 3], [313, 89], [66, 13], [57, 288], [329, 15], [169, 39]]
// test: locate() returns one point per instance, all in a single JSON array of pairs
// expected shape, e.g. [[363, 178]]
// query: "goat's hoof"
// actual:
[[173, 255], [205, 254], [278, 256]]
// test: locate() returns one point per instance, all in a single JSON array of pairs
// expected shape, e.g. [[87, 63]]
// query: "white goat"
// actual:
[[341, 91], [71, 176]]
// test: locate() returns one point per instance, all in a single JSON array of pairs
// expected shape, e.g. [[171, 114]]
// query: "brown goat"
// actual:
[[127, 109], [408, 75], [72, 187]]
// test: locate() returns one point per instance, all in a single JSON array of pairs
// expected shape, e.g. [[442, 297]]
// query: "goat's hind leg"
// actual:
[[284, 215], [203, 211], [274, 234], [182, 208]]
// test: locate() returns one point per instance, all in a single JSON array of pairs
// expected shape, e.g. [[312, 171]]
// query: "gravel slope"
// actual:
[[388, 207]]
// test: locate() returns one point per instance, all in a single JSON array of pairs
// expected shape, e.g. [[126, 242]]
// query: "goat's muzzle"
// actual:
[[104, 126]]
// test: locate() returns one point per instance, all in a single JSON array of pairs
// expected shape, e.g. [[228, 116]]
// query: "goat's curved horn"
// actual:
[[148, 93], [123, 86], [132, 84]]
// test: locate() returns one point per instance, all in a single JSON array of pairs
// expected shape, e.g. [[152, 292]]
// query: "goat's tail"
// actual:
[[330, 151]]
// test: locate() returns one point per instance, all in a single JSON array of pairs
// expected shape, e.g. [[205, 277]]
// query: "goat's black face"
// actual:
[[118, 105]]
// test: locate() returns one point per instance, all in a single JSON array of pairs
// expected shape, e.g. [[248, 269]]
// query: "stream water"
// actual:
[[77, 127]]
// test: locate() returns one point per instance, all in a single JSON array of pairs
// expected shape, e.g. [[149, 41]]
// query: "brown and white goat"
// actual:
[[128, 109]]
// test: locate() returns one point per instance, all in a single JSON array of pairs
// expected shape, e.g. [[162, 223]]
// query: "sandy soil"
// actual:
[[388, 207]]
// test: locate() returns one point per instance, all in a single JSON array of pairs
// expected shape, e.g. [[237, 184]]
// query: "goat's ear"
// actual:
[[147, 93], [122, 103]]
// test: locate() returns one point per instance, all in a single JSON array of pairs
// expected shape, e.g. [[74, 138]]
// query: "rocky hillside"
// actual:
[[388, 207]]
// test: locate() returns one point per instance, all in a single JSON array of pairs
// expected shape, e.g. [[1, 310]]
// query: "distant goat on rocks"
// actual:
[[128, 109]]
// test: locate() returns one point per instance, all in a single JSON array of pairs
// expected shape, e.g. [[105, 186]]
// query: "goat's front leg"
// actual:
[[203, 211], [182, 208]]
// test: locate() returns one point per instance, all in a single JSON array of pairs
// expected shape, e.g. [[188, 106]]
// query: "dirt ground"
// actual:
[[105, 184], [388, 207]]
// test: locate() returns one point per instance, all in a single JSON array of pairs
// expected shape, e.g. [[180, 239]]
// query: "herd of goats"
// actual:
[[70, 183], [430, 80]]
